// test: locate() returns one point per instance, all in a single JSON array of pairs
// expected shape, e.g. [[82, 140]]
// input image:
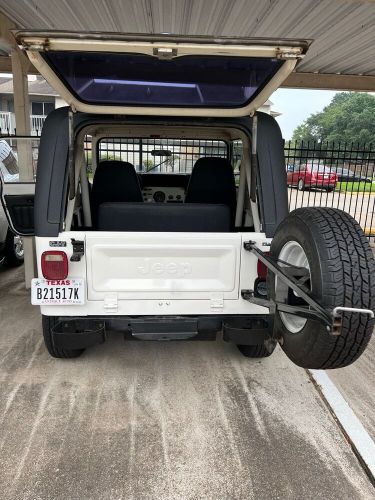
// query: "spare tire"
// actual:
[[341, 272]]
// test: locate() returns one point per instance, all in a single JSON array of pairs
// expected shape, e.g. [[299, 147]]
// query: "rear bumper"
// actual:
[[82, 332]]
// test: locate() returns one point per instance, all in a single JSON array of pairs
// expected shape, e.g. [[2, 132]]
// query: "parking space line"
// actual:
[[361, 442]]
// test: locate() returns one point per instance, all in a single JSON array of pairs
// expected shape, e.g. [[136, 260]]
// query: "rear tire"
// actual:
[[300, 185], [48, 324], [342, 273], [257, 351]]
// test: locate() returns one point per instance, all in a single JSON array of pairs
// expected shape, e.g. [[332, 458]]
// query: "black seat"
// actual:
[[212, 181], [114, 181]]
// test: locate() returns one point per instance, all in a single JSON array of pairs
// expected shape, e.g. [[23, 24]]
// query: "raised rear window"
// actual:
[[143, 80]]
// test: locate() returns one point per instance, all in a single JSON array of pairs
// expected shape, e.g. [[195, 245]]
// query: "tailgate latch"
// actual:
[[78, 250], [110, 302], [165, 53]]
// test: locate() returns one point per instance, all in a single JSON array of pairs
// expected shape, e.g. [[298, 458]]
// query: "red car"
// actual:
[[311, 175]]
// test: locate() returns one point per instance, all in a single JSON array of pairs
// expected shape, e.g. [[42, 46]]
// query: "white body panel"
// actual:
[[160, 273], [163, 266]]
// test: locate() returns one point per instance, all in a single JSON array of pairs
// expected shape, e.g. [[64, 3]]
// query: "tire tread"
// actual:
[[348, 266], [254, 351]]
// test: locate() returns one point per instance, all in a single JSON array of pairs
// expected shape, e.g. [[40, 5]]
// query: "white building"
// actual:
[[43, 99]]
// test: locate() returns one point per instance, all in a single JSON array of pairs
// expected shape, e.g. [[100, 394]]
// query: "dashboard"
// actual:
[[164, 188], [163, 194]]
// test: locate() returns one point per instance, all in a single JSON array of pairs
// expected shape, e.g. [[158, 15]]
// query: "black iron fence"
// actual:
[[338, 175], [157, 155]]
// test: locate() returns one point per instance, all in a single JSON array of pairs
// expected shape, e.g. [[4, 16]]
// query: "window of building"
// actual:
[[42, 108]]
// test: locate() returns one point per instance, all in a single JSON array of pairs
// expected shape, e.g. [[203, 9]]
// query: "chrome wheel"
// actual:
[[291, 253], [18, 247]]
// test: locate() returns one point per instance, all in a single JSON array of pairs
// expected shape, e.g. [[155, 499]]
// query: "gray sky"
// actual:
[[296, 105]]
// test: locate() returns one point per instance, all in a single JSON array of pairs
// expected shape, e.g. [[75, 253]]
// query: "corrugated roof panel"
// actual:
[[343, 32]]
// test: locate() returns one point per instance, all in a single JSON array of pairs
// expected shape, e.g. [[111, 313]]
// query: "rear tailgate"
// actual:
[[163, 265]]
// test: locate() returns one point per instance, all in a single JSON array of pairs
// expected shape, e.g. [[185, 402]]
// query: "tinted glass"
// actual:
[[141, 80], [48, 107], [36, 108]]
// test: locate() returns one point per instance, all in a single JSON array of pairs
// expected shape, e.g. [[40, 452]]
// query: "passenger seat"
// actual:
[[114, 181], [212, 182]]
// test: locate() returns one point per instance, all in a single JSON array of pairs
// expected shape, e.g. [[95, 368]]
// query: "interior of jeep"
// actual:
[[162, 184]]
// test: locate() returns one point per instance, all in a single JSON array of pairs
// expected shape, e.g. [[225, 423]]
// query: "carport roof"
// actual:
[[343, 31], [37, 87]]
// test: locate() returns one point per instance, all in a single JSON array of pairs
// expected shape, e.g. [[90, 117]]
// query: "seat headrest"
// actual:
[[114, 181], [212, 181]]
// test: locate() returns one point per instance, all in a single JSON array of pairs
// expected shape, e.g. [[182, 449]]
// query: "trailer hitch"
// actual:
[[332, 319]]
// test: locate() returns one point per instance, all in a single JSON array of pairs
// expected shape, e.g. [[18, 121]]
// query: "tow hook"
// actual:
[[78, 250]]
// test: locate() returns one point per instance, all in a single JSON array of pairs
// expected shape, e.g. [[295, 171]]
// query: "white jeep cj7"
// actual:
[[179, 228]]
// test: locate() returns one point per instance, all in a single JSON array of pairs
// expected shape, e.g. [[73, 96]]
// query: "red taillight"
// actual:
[[262, 269], [54, 265]]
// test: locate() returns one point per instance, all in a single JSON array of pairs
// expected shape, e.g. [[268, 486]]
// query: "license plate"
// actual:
[[57, 292]]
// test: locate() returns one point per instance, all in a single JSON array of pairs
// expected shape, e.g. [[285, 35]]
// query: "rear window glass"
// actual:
[[142, 80]]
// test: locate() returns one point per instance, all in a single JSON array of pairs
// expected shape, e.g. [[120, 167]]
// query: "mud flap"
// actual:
[[78, 334], [248, 331]]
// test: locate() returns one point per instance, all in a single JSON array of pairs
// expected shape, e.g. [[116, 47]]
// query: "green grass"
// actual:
[[356, 187]]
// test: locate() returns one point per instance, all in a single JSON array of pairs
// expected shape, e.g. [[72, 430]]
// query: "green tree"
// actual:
[[350, 118], [148, 164]]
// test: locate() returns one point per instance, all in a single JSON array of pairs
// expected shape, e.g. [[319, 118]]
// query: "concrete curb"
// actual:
[[359, 439]]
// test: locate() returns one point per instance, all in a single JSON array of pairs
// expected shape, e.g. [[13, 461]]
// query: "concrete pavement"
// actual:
[[357, 384], [149, 420]]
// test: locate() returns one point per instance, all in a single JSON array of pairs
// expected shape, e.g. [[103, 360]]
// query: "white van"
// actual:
[[180, 228]]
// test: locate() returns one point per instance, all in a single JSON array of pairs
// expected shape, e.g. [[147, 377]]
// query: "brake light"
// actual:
[[262, 269], [54, 265]]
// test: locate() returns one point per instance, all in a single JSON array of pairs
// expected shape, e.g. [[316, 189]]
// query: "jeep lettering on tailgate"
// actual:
[[177, 269]]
